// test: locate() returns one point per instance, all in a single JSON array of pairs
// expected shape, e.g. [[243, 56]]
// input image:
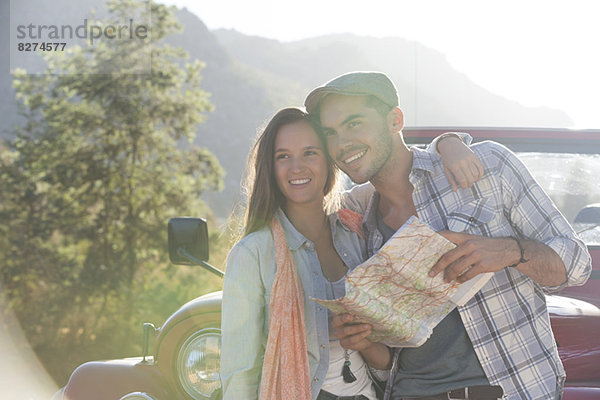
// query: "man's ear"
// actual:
[[395, 119]]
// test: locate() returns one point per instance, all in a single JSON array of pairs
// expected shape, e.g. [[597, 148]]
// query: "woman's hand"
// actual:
[[353, 336], [461, 165]]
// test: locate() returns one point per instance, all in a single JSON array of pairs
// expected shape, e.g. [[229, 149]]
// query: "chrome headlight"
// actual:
[[137, 396], [198, 364]]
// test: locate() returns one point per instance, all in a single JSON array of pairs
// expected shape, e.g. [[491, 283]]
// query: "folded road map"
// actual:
[[392, 291]]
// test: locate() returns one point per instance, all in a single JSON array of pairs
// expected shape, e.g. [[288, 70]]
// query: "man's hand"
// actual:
[[461, 166], [474, 255], [351, 335]]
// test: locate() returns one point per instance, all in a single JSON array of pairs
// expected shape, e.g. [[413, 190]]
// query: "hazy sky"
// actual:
[[534, 52]]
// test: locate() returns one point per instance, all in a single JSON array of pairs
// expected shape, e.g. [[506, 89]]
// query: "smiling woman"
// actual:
[[265, 196], [301, 167], [293, 249]]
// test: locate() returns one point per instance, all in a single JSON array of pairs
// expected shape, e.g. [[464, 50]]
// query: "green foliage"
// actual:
[[89, 183]]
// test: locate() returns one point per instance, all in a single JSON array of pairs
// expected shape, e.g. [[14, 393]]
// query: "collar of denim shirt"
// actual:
[[294, 238]]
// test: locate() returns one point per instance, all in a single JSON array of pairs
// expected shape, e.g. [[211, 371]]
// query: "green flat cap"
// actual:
[[359, 83]]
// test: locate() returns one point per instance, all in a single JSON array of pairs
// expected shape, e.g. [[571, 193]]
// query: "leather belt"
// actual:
[[467, 393], [323, 395]]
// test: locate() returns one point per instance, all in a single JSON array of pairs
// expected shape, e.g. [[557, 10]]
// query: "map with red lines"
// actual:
[[392, 291]]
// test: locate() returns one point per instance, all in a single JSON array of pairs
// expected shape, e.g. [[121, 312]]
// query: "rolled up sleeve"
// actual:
[[535, 216], [576, 258]]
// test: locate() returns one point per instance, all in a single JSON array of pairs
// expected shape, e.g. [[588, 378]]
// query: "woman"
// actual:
[[293, 238]]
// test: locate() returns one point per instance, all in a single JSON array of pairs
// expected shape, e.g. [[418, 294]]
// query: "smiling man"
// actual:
[[500, 342]]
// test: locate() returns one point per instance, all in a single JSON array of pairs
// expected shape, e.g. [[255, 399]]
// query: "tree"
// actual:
[[89, 183]]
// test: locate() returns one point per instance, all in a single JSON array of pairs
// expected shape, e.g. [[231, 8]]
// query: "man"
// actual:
[[500, 342]]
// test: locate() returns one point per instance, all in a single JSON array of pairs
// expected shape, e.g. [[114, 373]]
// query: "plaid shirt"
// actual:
[[507, 321]]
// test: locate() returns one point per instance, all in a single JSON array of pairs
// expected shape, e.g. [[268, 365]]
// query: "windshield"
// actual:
[[573, 182]]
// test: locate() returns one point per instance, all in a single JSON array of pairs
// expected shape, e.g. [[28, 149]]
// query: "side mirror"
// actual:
[[589, 214], [191, 235], [188, 243]]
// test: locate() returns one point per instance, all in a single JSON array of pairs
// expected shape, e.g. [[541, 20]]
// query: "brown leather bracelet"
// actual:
[[444, 136], [522, 259]]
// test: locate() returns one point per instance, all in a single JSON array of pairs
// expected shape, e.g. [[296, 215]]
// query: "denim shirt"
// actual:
[[246, 295]]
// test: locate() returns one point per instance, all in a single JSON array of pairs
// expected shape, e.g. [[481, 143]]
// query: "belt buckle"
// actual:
[[465, 394]]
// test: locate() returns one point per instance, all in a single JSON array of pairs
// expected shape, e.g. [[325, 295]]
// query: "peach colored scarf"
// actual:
[[285, 373]]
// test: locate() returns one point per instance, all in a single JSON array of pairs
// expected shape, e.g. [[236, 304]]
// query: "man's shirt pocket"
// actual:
[[472, 217]]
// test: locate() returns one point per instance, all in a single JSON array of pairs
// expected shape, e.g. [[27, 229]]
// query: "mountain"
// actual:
[[431, 91], [250, 77]]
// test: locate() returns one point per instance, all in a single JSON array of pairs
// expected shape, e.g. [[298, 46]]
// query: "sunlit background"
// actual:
[[538, 53]]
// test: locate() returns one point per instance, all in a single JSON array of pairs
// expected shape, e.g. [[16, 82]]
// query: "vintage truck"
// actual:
[[180, 358]]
